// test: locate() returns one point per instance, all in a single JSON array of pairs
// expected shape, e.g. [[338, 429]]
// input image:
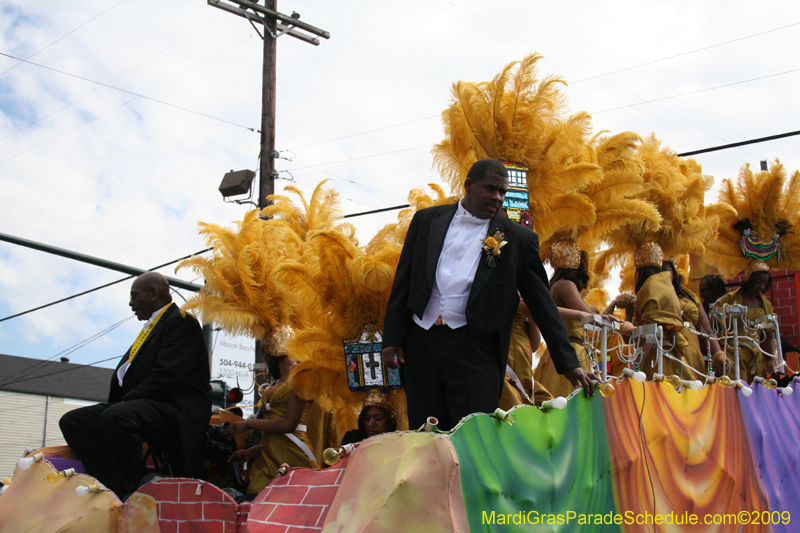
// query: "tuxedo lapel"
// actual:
[[500, 222], [436, 237]]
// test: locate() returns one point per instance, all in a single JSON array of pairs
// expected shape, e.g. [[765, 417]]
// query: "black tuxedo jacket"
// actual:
[[493, 300], [172, 366]]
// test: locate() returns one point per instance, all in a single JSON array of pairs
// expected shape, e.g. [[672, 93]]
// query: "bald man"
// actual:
[[159, 394]]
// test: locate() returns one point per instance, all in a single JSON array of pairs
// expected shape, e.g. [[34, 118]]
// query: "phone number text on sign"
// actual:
[[238, 364]]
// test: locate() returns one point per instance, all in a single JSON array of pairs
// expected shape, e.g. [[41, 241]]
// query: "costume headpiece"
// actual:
[[761, 249], [755, 266], [761, 207], [648, 254], [565, 254], [275, 344], [258, 282], [377, 398]]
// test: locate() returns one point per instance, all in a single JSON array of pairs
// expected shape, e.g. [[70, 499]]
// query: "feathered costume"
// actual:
[[755, 236], [677, 188], [302, 267], [765, 206]]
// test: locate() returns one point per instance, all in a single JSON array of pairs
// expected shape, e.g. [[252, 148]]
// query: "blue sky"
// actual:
[[102, 172]]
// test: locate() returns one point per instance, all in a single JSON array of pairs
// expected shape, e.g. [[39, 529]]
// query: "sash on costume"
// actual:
[[300, 444], [517, 382], [145, 333]]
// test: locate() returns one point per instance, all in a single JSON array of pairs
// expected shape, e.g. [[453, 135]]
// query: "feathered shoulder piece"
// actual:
[[762, 209]]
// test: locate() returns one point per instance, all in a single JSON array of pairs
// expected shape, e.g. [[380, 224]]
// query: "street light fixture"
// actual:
[[236, 184]]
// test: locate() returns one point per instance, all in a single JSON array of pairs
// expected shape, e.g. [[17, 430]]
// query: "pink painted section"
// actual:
[[182, 510], [298, 501]]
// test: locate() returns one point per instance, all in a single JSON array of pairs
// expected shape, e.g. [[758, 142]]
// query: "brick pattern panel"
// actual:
[[194, 506], [297, 502], [783, 297]]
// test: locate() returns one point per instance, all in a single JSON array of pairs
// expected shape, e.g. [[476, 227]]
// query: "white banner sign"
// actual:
[[232, 360]]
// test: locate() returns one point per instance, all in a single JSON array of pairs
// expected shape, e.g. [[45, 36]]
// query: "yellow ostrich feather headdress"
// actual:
[[240, 294], [676, 187], [762, 209], [612, 200], [516, 117], [579, 188]]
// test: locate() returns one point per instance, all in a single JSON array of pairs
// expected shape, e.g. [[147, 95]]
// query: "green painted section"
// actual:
[[553, 463]]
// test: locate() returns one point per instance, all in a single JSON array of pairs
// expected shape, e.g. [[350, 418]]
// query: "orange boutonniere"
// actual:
[[492, 245]]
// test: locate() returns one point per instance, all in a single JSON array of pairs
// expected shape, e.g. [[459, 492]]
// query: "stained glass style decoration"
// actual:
[[516, 203], [365, 368]]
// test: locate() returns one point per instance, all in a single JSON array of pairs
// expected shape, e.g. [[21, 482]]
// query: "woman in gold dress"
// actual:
[[752, 362], [658, 303], [569, 279], [283, 438], [694, 316]]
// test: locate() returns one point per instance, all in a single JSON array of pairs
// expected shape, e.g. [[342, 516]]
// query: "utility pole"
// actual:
[[266, 185], [274, 25]]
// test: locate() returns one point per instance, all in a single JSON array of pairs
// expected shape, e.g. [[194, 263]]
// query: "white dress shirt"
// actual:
[[124, 368], [455, 271]]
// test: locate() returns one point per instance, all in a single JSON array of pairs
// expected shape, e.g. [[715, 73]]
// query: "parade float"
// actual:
[[672, 454]]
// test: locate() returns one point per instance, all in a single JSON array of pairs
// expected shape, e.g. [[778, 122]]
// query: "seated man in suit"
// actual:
[[160, 392], [449, 317]]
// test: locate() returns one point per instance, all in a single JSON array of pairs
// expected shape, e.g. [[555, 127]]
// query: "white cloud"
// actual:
[[130, 185]]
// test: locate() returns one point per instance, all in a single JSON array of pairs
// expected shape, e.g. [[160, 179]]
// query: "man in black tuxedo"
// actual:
[[449, 317], [160, 393]]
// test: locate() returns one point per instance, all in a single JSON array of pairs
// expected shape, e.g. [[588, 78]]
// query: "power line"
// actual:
[[116, 89], [27, 372], [65, 35], [123, 104], [363, 133], [741, 143], [698, 91], [685, 53], [684, 154], [603, 75], [351, 215], [76, 367], [315, 167], [100, 287]]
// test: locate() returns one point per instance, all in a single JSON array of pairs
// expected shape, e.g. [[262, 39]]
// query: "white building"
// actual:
[[34, 394]]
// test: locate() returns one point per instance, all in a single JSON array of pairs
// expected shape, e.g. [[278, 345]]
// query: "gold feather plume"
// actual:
[[765, 198], [612, 202], [676, 187], [579, 188], [336, 289], [517, 117], [240, 294]]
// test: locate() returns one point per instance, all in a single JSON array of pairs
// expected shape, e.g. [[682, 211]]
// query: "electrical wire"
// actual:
[[65, 35], [603, 75], [361, 133], [698, 91], [101, 84], [685, 53], [314, 167], [18, 377], [89, 121], [107, 84], [76, 367], [102, 286]]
